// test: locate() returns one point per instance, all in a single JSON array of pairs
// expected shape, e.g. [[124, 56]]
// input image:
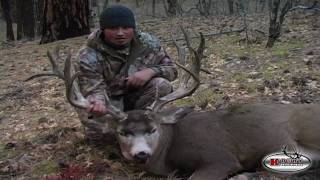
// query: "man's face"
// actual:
[[119, 35]]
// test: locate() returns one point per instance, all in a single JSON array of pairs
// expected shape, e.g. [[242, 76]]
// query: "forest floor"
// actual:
[[40, 134]]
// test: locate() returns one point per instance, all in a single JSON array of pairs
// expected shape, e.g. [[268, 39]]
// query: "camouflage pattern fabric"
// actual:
[[104, 69], [143, 97]]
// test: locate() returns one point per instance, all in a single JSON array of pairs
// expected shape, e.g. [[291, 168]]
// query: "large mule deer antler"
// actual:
[[73, 93], [185, 88]]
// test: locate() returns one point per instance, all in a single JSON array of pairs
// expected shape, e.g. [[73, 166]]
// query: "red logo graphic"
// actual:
[[274, 162]]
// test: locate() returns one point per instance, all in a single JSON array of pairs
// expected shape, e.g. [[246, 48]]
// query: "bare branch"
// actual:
[[206, 71], [304, 8], [312, 7], [207, 35], [201, 46], [39, 75]]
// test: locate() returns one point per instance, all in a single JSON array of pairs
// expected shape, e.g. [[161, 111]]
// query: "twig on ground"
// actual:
[[312, 7]]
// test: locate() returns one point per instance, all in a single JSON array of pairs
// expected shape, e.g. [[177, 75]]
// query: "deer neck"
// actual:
[[157, 163]]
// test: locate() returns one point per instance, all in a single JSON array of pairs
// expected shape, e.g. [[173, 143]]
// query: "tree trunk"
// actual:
[[65, 19], [153, 8], [105, 4], [28, 19], [6, 12], [19, 5], [262, 4], [276, 20], [215, 7], [39, 16], [204, 7], [25, 19], [230, 6], [274, 29], [172, 7]]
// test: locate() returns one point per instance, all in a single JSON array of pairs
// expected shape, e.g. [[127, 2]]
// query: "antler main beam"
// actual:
[[184, 90]]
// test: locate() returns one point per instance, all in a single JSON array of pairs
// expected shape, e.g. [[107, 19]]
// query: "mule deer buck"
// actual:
[[212, 145]]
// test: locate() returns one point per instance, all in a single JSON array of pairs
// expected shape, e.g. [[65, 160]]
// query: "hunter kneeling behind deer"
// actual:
[[126, 64]]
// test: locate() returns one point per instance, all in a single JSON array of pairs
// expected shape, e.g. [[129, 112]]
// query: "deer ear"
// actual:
[[171, 116]]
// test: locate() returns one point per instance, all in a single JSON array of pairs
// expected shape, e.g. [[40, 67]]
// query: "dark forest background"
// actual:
[[52, 20]]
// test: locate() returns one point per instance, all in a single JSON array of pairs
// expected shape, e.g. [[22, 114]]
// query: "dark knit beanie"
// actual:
[[117, 16]]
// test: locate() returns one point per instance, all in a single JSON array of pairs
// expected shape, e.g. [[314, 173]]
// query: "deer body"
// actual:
[[215, 145]]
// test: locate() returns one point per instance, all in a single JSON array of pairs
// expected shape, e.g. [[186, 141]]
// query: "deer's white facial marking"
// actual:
[[140, 145], [138, 142]]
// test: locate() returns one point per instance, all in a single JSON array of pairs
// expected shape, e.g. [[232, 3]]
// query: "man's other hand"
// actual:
[[140, 78], [97, 107]]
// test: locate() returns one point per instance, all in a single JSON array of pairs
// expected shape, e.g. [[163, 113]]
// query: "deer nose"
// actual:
[[141, 157]]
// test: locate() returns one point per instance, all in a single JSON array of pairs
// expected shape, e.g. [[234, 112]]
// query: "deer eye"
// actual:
[[125, 133], [151, 131]]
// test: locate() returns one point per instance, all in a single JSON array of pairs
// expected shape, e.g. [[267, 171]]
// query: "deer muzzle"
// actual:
[[141, 157]]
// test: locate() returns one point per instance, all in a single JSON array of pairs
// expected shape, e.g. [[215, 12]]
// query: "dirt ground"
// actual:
[[41, 136]]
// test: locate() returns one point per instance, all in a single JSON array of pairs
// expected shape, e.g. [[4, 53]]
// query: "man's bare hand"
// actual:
[[140, 78], [97, 107]]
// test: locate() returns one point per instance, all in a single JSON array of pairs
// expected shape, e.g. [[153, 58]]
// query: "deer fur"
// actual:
[[218, 144]]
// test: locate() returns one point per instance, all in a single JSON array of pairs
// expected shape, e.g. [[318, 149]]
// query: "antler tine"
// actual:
[[181, 51], [55, 68], [186, 77], [183, 89], [54, 63], [181, 57], [181, 92], [73, 93], [114, 111], [156, 99]]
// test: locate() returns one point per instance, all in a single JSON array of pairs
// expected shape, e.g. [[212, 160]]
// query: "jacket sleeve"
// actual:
[[164, 67], [91, 79], [158, 60]]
